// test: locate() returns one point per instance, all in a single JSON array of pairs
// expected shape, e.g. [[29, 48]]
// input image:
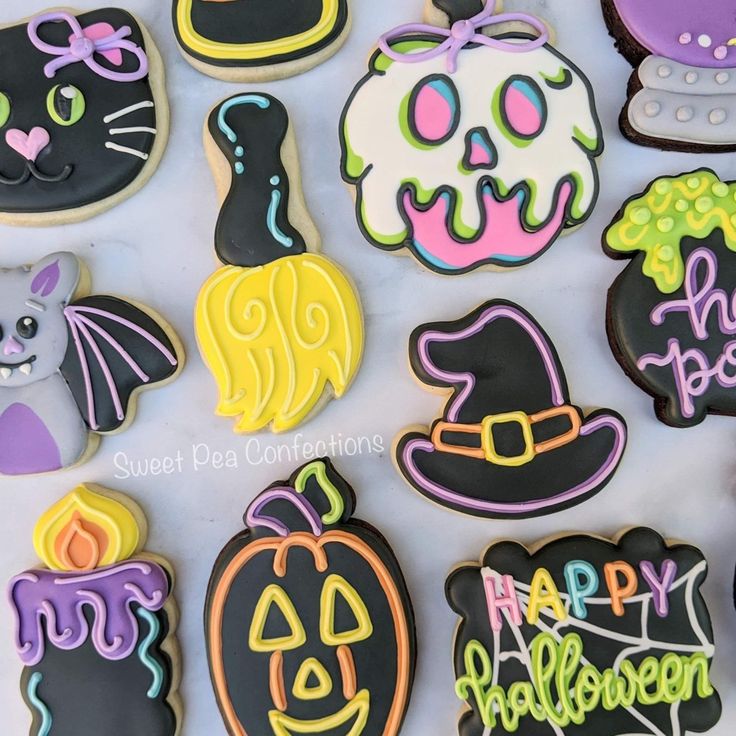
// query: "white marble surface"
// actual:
[[157, 248]]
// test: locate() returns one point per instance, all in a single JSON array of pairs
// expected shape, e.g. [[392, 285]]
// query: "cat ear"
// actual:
[[55, 278]]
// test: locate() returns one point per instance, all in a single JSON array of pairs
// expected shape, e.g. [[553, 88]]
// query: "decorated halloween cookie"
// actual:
[[584, 636], [671, 319], [259, 40], [84, 117], [470, 149], [70, 365], [95, 624], [509, 443], [280, 326], [308, 620], [682, 94]]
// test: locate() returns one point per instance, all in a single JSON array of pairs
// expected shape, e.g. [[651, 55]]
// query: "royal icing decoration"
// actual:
[[279, 327], [509, 444], [64, 77], [469, 149], [671, 317], [93, 630], [584, 636], [308, 621], [260, 35], [69, 368]]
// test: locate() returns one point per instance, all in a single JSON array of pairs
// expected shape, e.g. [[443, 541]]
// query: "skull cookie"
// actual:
[[470, 150]]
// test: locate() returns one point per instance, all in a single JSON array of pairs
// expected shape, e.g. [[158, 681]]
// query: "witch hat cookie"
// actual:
[[510, 444], [280, 326], [467, 145]]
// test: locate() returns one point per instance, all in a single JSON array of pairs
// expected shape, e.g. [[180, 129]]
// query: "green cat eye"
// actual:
[[4, 109], [65, 104]]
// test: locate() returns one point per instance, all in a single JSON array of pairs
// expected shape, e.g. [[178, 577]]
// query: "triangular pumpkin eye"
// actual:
[[275, 612], [335, 586]]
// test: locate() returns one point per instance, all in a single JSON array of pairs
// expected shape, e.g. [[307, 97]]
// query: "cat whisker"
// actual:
[[124, 149], [127, 110], [35, 305], [132, 129]]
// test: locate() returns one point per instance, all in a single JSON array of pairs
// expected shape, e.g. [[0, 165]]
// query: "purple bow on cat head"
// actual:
[[84, 43], [462, 33]]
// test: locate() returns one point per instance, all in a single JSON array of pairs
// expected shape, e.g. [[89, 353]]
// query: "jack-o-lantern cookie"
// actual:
[[84, 117], [682, 94], [509, 443], [95, 627], [582, 635], [71, 365], [259, 40], [469, 149], [308, 620], [671, 315], [280, 326]]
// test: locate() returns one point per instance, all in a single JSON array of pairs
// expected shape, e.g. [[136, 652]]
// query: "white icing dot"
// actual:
[[69, 92], [722, 77], [686, 38], [685, 114], [705, 41], [652, 109], [721, 52], [717, 116], [664, 71], [691, 77]]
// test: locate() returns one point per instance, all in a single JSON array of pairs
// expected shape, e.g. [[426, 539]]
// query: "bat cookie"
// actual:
[[259, 40], [84, 117], [583, 636], [308, 620], [95, 627], [468, 149], [71, 365], [682, 94], [509, 443], [280, 326]]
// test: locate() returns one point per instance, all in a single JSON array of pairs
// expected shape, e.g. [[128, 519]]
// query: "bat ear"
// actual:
[[55, 278]]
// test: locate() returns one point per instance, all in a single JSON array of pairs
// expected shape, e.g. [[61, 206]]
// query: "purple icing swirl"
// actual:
[[50, 605]]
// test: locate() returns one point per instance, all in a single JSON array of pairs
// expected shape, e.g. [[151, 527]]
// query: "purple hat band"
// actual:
[[461, 34]]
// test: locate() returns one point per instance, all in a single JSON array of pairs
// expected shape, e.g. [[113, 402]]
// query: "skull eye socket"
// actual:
[[276, 624], [433, 113], [522, 108], [337, 594]]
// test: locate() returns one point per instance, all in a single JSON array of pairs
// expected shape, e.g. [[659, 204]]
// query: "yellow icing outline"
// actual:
[[275, 594], [334, 584], [302, 689], [358, 708]]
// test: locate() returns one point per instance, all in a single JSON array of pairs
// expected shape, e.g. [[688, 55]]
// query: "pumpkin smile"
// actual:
[[356, 711]]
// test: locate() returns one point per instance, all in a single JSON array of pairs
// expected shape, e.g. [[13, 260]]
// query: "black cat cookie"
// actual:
[[308, 620], [582, 635], [509, 443], [84, 117], [671, 316], [259, 40], [95, 624]]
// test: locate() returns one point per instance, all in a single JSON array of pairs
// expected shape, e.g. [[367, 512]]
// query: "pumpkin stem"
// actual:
[[254, 518]]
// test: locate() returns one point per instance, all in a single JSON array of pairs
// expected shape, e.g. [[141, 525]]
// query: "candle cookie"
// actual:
[[280, 326], [95, 627], [467, 149], [309, 624], [584, 635], [84, 117], [509, 443], [71, 365]]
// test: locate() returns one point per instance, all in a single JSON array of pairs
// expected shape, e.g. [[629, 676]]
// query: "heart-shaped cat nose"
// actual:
[[28, 145], [12, 347]]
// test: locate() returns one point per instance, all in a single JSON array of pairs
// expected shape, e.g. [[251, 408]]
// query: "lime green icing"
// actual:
[[404, 126], [555, 78], [354, 164], [382, 62], [501, 125], [672, 208], [590, 144], [4, 109]]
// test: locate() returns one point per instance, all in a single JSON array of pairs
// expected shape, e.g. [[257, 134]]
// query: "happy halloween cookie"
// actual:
[[509, 443], [584, 636], [470, 150], [71, 365], [84, 117], [280, 326], [95, 625], [670, 316], [682, 94], [308, 620], [259, 40]]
